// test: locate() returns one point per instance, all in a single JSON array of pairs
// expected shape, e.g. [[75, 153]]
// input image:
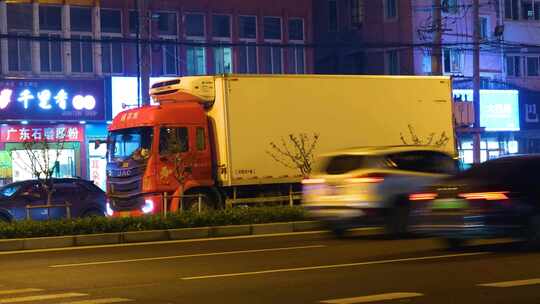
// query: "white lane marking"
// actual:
[[42, 297], [332, 266], [213, 239], [15, 291], [100, 301], [512, 283], [374, 298], [188, 256]]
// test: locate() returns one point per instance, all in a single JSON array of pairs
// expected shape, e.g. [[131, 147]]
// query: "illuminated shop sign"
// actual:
[[124, 92], [51, 100], [57, 133], [499, 109]]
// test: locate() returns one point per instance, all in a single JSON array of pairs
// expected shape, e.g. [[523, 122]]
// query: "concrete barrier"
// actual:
[[145, 236], [98, 239], [272, 228], [49, 242], [189, 233], [307, 226], [230, 230], [11, 245]]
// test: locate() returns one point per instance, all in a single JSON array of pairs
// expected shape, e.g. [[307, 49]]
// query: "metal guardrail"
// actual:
[[66, 205]]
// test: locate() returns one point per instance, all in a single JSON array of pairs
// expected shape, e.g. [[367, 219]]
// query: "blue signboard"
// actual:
[[46, 100], [499, 109]]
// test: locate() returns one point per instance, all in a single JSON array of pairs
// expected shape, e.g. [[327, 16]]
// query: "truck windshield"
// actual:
[[134, 143]]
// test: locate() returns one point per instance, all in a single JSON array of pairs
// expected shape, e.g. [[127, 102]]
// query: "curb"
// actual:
[[155, 235]]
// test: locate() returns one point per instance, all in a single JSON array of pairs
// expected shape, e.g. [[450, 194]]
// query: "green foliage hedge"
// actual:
[[232, 216]]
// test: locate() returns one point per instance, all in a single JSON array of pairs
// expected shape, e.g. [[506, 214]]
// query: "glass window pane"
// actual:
[[117, 58], [196, 61], [267, 59], [221, 26], [25, 55], [332, 16], [13, 54], [242, 64], [167, 24], [19, 16], [272, 28], [247, 27], [111, 21], [276, 60], [106, 57], [76, 55], [300, 60], [81, 19], [87, 58], [201, 140], [222, 60], [133, 22], [194, 24], [170, 59], [50, 18], [296, 29], [44, 55], [252, 59], [56, 56]]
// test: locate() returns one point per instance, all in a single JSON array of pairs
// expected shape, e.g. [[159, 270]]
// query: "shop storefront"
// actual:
[[500, 118], [68, 114]]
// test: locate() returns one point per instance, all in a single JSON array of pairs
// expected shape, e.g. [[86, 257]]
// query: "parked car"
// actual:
[[22, 200], [499, 198], [369, 186]]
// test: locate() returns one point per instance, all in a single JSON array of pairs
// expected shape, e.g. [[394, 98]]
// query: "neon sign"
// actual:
[[51, 100], [18, 133]]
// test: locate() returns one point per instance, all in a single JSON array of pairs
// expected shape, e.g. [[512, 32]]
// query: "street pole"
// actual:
[[476, 81], [144, 33], [436, 52], [138, 52]]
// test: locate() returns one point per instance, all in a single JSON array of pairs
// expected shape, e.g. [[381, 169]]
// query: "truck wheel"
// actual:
[[207, 202]]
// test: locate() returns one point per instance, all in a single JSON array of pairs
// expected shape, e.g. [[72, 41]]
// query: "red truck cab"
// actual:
[[145, 146]]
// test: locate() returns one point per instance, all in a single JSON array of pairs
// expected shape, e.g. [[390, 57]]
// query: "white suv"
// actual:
[[369, 186]]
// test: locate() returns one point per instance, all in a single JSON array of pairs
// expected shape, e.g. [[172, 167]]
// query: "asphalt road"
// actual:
[[304, 268]]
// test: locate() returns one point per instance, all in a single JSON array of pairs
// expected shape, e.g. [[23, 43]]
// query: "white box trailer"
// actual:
[[250, 112]]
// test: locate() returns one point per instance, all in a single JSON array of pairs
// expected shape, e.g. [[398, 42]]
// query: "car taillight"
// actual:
[[311, 181], [366, 179], [488, 196], [422, 196]]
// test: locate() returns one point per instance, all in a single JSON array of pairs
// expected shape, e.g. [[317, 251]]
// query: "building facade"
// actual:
[[71, 65]]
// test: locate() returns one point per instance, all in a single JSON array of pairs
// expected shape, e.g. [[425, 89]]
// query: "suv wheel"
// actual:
[[397, 219], [533, 231]]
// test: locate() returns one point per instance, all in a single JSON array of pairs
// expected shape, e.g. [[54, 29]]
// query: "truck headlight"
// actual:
[[148, 206]]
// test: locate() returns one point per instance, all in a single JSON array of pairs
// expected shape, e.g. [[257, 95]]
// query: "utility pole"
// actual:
[[143, 33], [436, 51], [476, 81]]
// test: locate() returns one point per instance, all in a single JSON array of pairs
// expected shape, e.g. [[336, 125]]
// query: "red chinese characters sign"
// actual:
[[23, 133]]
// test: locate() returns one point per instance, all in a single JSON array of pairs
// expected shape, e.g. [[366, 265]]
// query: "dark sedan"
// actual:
[[499, 198], [26, 200]]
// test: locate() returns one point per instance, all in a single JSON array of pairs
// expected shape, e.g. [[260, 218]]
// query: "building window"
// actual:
[[392, 62], [111, 55], [50, 49], [50, 53], [452, 60], [81, 19], [426, 64], [450, 6], [296, 29], [513, 66], [170, 57], [247, 62], [296, 60], [221, 26], [223, 60], [332, 16], [111, 21], [272, 28], [357, 13], [166, 23], [484, 28], [390, 9], [530, 9], [511, 9], [19, 22], [247, 27], [532, 66], [195, 60], [194, 25], [81, 54], [272, 57]]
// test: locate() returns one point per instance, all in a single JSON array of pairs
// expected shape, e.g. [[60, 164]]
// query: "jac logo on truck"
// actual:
[[119, 173]]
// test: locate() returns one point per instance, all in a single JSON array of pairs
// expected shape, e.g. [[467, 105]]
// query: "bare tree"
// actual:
[[431, 140], [295, 151], [43, 161]]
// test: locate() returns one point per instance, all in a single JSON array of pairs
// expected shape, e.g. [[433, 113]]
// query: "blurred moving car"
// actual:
[[369, 186], [499, 198], [86, 199]]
